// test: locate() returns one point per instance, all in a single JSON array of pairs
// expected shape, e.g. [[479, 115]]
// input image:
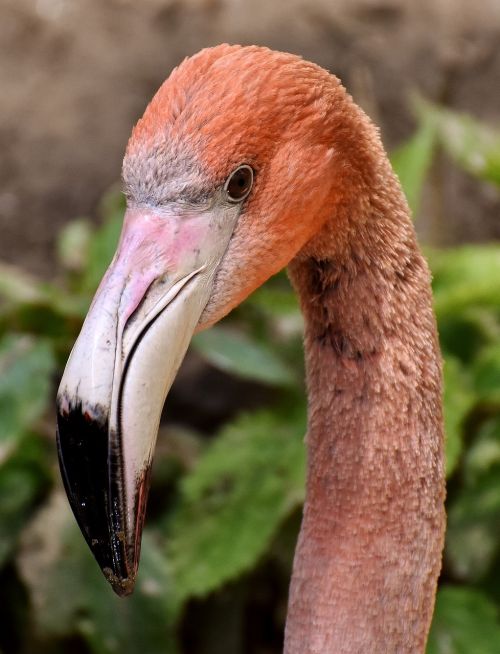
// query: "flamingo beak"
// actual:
[[121, 368]]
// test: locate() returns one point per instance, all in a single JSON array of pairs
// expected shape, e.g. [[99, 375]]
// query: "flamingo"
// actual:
[[245, 161]]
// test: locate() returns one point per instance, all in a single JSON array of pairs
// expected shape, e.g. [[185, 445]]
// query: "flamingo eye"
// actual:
[[239, 183]]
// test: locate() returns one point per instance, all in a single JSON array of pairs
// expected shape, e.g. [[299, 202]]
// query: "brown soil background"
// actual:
[[75, 76]]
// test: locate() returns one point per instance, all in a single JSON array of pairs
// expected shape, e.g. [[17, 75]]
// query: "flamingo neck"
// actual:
[[369, 551]]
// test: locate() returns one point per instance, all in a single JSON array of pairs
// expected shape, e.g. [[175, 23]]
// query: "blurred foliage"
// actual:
[[233, 498], [475, 147], [217, 533], [413, 159]]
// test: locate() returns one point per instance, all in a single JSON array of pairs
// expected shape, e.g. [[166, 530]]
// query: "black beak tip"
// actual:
[[122, 586], [86, 471]]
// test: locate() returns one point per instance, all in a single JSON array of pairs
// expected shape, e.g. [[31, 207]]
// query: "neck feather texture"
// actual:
[[369, 551]]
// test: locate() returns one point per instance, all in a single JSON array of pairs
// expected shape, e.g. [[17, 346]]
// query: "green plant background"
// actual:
[[225, 502]]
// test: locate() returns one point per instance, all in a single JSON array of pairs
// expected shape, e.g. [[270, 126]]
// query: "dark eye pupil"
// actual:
[[239, 183]]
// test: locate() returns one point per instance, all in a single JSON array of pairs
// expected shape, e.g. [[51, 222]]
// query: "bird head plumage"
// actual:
[[237, 163], [231, 106]]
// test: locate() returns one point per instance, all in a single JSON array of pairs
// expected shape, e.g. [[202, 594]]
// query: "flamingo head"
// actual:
[[230, 172]]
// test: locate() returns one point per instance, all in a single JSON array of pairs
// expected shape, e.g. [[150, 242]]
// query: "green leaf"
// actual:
[[17, 286], [484, 453], [26, 367], [275, 314], [458, 400], [21, 291], [474, 146], [465, 622], [486, 371], [472, 539], [104, 242], [70, 595], [22, 479], [234, 500], [469, 265], [236, 353], [465, 332], [275, 298], [412, 161], [467, 298]]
